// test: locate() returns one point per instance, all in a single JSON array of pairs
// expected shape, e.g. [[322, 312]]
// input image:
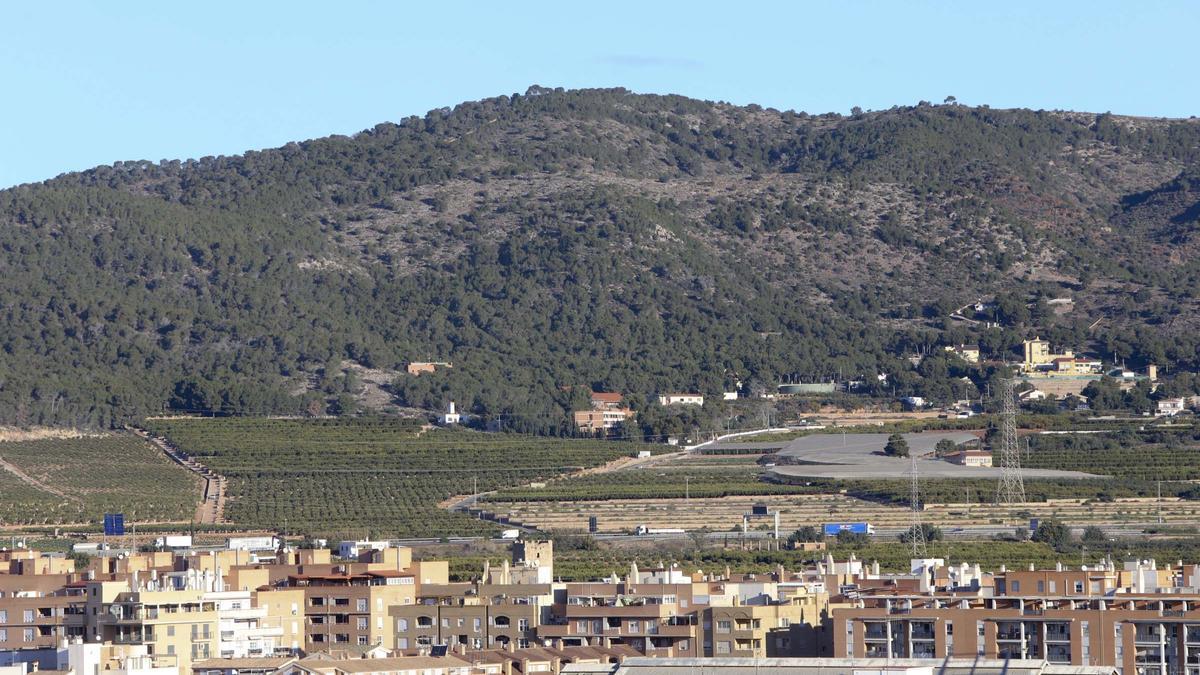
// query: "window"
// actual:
[[723, 626], [401, 625], [3, 635], [479, 624], [445, 622], [401, 643], [170, 650], [1041, 587], [316, 602], [28, 636], [363, 623], [28, 616], [723, 647], [682, 645], [1053, 586], [784, 622], [1078, 586], [362, 639], [170, 631], [635, 626], [522, 624], [341, 637], [3, 616], [1016, 586], [363, 605]]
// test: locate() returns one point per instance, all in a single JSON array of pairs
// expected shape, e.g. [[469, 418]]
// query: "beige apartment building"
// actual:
[[176, 627]]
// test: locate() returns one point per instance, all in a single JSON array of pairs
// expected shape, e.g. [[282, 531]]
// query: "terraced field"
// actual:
[[796, 511], [368, 477], [77, 480]]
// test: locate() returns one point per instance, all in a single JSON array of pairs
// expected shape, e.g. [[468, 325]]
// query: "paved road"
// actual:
[[861, 456]]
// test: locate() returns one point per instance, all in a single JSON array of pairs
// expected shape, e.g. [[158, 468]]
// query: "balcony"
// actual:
[[678, 630], [1148, 637], [922, 631], [924, 650], [633, 612], [244, 614], [1058, 654]]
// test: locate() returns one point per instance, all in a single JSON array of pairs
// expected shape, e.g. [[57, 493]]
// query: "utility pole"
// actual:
[[1158, 483], [687, 488]]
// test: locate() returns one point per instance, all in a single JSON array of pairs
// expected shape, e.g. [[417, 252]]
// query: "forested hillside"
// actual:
[[558, 240]]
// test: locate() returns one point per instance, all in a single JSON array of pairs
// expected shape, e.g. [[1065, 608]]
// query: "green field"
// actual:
[[352, 477], [1143, 457], [113, 473]]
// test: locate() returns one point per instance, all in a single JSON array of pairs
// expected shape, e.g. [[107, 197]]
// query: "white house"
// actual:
[[1170, 407], [451, 416], [970, 458], [681, 399]]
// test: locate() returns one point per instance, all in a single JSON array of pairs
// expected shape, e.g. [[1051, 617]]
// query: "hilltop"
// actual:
[[558, 240]]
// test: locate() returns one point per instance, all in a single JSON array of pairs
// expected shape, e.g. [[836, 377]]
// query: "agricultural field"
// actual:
[[352, 477], [691, 480], [78, 480], [1140, 457], [712, 491], [724, 514]]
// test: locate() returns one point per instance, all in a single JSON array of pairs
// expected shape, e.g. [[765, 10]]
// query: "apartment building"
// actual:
[[666, 613], [39, 611], [351, 608], [475, 616], [1137, 619], [176, 627]]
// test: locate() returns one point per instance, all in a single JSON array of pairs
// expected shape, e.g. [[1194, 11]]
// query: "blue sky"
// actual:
[[90, 83]]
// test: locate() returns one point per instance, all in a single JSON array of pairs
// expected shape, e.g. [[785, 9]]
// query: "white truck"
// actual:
[[174, 541], [643, 530], [510, 534]]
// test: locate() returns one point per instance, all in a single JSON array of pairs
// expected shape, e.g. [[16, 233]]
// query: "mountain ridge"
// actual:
[[590, 237]]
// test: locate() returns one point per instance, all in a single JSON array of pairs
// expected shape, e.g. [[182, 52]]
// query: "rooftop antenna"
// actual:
[[1011, 488], [916, 533]]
